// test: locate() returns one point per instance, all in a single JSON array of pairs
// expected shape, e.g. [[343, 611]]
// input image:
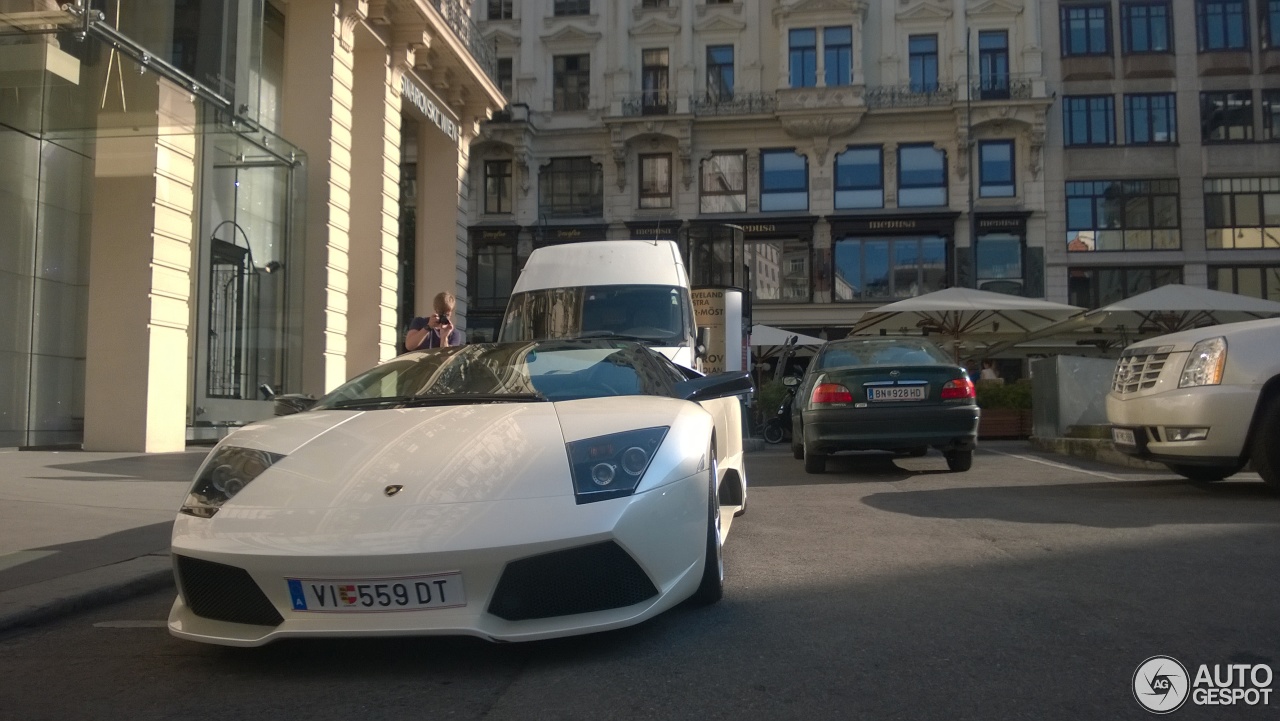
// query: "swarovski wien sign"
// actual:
[[419, 98]]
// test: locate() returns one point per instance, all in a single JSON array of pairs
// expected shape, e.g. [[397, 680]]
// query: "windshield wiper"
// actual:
[[464, 398], [349, 403], [615, 336]]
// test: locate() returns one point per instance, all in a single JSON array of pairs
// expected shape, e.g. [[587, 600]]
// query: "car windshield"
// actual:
[[507, 372], [882, 352], [656, 314]]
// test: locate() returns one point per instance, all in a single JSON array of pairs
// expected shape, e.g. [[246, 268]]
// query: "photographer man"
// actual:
[[435, 331]]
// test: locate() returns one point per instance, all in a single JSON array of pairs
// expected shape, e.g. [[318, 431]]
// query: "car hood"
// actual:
[[1244, 331], [438, 455]]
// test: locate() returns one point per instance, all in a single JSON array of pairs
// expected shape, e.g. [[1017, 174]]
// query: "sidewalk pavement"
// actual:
[[79, 529]]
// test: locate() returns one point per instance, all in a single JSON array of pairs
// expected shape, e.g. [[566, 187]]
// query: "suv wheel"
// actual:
[[1266, 452]]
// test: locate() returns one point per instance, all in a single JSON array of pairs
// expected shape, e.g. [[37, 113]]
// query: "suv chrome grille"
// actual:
[[1139, 369]]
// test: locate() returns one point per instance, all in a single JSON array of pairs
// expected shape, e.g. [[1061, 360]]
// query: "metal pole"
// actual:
[[969, 143]]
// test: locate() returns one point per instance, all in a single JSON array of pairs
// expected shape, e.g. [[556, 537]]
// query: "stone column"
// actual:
[[440, 236], [140, 255]]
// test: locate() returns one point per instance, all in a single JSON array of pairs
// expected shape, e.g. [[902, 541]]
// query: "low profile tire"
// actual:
[[1204, 474], [814, 462], [1266, 450], [772, 432], [711, 589], [959, 461]]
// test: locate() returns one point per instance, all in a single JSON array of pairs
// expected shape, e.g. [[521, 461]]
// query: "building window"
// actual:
[[923, 51], [1123, 215], [873, 269], [784, 180], [1271, 23], [998, 256], [837, 55], [1096, 287], [995, 169], [1242, 212], [860, 178], [1222, 25], [804, 58], [922, 176], [655, 181], [719, 72], [1271, 114], [1086, 30], [505, 75], [993, 64], [497, 186], [654, 76], [1254, 281], [493, 274], [500, 9], [572, 82], [655, 3], [571, 187], [572, 7], [724, 183], [1150, 119], [1088, 120], [1226, 117], [1146, 27], [779, 270]]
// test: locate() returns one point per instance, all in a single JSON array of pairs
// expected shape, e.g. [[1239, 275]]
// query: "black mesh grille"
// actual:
[[579, 580], [224, 593]]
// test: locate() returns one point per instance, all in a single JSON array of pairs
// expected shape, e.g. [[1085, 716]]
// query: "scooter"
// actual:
[[778, 428]]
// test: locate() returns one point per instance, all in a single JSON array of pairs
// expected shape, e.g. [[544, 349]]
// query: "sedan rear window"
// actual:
[[878, 352]]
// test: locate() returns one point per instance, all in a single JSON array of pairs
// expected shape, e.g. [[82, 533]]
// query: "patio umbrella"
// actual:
[[965, 316], [767, 335]]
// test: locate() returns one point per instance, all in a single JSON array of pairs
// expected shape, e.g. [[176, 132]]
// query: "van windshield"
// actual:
[[657, 314]]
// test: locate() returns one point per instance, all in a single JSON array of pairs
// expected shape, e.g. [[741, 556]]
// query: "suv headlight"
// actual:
[[1204, 366], [223, 475], [611, 466]]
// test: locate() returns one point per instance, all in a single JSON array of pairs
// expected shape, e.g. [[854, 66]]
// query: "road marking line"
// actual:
[[131, 624], [1063, 466]]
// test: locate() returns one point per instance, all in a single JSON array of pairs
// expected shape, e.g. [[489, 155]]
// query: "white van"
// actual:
[[628, 289]]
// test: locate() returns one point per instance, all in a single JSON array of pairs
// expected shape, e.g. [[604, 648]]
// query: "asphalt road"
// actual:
[[1031, 587]]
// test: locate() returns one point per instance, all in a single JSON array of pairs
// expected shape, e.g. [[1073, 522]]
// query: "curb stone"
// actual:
[[55, 598]]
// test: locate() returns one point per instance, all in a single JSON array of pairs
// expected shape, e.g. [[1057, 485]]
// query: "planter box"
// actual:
[[1005, 423]]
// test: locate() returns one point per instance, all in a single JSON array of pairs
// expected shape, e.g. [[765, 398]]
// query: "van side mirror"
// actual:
[[703, 342]]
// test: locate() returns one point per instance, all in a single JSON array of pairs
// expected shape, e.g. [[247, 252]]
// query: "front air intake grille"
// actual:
[[1138, 370], [223, 593], [561, 583]]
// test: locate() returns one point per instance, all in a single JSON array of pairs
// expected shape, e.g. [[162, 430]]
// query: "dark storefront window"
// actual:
[[1146, 27], [1123, 215], [998, 261], [1253, 281], [860, 178], [1226, 117], [1096, 287], [876, 269], [724, 183], [1242, 212], [779, 270], [571, 187]]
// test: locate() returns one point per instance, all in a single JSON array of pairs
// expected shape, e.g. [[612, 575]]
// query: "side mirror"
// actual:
[[791, 381], [703, 342], [717, 385], [290, 403]]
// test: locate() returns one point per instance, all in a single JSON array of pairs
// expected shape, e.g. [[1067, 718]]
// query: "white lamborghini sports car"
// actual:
[[511, 491]]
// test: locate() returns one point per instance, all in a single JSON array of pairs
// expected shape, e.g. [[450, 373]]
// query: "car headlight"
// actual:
[[1204, 366], [611, 466], [225, 474]]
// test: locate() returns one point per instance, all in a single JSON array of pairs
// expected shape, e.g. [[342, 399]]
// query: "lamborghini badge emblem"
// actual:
[[392, 490]]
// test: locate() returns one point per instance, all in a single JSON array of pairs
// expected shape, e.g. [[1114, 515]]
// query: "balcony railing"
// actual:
[[1002, 87], [736, 104], [910, 96], [459, 20], [650, 102]]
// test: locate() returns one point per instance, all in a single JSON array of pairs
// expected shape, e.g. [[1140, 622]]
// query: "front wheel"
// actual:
[[959, 461], [1204, 474], [1266, 452], [711, 589], [772, 431]]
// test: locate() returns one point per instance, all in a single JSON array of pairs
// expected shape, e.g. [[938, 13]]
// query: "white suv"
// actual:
[[1203, 402]]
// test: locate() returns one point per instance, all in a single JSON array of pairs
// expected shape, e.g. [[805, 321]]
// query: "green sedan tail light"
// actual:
[[831, 393], [958, 389]]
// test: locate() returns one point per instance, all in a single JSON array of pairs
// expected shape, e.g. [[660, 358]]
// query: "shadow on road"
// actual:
[[149, 467]]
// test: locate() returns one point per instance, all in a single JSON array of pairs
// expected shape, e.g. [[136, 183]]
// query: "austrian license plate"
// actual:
[[405, 593], [1123, 436], [897, 393]]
